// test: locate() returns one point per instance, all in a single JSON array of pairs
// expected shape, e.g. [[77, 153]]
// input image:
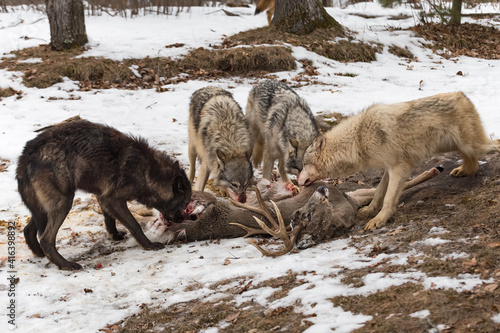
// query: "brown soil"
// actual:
[[469, 39], [197, 315]]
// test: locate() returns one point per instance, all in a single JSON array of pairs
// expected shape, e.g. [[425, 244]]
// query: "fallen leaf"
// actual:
[[232, 317]]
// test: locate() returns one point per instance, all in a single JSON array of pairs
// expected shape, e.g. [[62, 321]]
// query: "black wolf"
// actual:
[[101, 160]]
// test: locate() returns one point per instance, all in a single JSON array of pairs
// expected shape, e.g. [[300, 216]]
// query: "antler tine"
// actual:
[[263, 210], [250, 231], [279, 228]]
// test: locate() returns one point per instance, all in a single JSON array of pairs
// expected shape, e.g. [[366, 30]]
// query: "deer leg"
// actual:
[[365, 195]]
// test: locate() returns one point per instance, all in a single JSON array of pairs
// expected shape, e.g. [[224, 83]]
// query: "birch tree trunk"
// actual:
[[67, 23], [302, 16]]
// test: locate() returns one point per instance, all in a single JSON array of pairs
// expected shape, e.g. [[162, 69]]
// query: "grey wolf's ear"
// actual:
[[319, 142], [294, 143], [221, 156]]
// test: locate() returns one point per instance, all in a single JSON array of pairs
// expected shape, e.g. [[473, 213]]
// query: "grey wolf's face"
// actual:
[[315, 218], [310, 171], [234, 177]]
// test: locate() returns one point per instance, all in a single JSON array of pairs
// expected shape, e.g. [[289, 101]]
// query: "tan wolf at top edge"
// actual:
[[395, 137], [220, 138], [265, 5]]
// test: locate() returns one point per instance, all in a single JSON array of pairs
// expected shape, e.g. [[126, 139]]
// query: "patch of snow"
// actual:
[[420, 314]]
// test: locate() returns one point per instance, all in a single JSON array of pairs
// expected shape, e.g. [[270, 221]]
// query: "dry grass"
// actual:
[[469, 39], [391, 310], [7, 92], [320, 41], [154, 72], [195, 316], [401, 52]]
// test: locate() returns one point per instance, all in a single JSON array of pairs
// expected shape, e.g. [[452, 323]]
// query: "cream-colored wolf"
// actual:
[[395, 137]]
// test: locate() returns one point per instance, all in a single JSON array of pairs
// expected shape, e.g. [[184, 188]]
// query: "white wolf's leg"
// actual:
[[397, 176], [378, 198], [192, 162], [202, 177], [282, 170], [469, 167]]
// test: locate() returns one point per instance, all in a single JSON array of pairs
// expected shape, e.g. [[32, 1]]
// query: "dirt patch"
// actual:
[[452, 226], [43, 67], [397, 309], [224, 314], [333, 43], [7, 92], [469, 39]]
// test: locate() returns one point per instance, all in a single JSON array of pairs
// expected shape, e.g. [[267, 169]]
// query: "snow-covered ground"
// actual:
[[48, 299]]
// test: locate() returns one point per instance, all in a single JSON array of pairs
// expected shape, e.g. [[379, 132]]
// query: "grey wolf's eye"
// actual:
[[309, 216], [234, 185]]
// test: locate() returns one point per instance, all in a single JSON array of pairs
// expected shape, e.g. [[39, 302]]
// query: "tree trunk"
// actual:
[[302, 16], [456, 12], [67, 23]]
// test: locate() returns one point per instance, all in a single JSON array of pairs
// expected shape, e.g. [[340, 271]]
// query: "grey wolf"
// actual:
[[268, 6], [220, 138], [282, 127], [101, 160], [395, 137]]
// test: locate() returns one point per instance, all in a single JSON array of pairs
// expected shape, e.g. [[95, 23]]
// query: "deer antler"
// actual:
[[279, 227]]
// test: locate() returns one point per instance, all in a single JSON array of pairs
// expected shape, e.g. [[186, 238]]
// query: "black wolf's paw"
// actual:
[[120, 235], [154, 246], [70, 266]]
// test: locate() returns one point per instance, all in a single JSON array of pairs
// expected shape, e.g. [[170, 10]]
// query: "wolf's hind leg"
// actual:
[[48, 239], [469, 167], [30, 234]]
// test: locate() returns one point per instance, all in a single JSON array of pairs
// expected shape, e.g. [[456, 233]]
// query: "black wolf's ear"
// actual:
[[319, 142], [221, 156], [180, 184], [294, 143], [177, 166]]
